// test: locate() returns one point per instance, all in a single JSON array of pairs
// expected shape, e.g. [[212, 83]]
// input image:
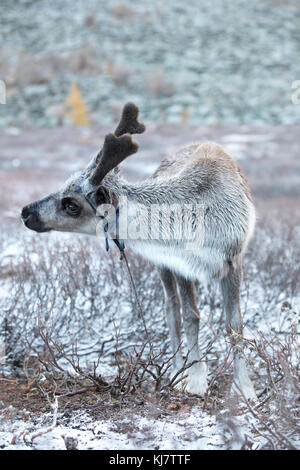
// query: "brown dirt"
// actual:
[[16, 398]]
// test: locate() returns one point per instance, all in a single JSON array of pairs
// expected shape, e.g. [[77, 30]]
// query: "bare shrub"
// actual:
[[71, 326], [77, 295]]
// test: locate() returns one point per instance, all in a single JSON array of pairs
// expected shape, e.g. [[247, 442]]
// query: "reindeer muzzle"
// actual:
[[31, 218]]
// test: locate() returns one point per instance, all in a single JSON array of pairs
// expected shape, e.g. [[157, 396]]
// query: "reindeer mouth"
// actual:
[[39, 228]]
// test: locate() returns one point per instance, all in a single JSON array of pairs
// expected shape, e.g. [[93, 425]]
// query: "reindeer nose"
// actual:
[[29, 212], [31, 218], [25, 213], [29, 215]]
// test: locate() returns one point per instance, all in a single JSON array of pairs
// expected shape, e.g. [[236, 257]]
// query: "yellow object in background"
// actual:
[[76, 108]]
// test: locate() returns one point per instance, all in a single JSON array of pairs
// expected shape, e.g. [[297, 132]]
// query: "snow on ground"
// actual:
[[193, 430]]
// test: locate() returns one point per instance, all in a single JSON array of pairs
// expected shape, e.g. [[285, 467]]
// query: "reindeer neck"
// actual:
[[152, 191]]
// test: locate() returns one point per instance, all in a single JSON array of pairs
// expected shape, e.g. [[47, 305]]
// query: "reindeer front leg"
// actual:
[[196, 381], [172, 307], [230, 286]]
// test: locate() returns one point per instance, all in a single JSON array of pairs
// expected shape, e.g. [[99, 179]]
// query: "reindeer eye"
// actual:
[[70, 207]]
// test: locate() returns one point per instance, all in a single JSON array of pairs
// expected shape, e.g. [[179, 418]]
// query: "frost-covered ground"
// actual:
[[230, 62], [190, 429], [62, 293]]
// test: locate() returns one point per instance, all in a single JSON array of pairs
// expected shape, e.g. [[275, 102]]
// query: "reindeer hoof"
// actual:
[[246, 390], [242, 384], [196, 381]]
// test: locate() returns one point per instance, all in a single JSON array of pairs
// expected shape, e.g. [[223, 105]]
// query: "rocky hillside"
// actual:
[[180, 61]]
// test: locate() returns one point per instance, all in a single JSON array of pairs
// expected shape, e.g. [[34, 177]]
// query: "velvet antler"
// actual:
[[129, 121], [114, 151], [119, 145]]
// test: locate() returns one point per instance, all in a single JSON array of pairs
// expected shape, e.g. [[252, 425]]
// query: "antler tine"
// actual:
[[119, 145], [129, 123], [114, 151]]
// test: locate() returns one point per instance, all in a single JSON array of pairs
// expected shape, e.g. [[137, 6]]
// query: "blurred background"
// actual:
[[199, 62]]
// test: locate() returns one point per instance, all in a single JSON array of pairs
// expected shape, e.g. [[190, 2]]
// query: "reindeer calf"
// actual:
[[200, 188]]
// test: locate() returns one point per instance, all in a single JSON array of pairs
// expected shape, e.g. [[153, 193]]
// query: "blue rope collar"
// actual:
[[117, 242]]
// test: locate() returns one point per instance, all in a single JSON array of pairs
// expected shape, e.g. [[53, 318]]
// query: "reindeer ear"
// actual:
[[101, 196], [129, 123]]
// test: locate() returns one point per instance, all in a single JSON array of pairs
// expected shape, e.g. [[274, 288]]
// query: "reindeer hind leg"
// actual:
[[230, 286]]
